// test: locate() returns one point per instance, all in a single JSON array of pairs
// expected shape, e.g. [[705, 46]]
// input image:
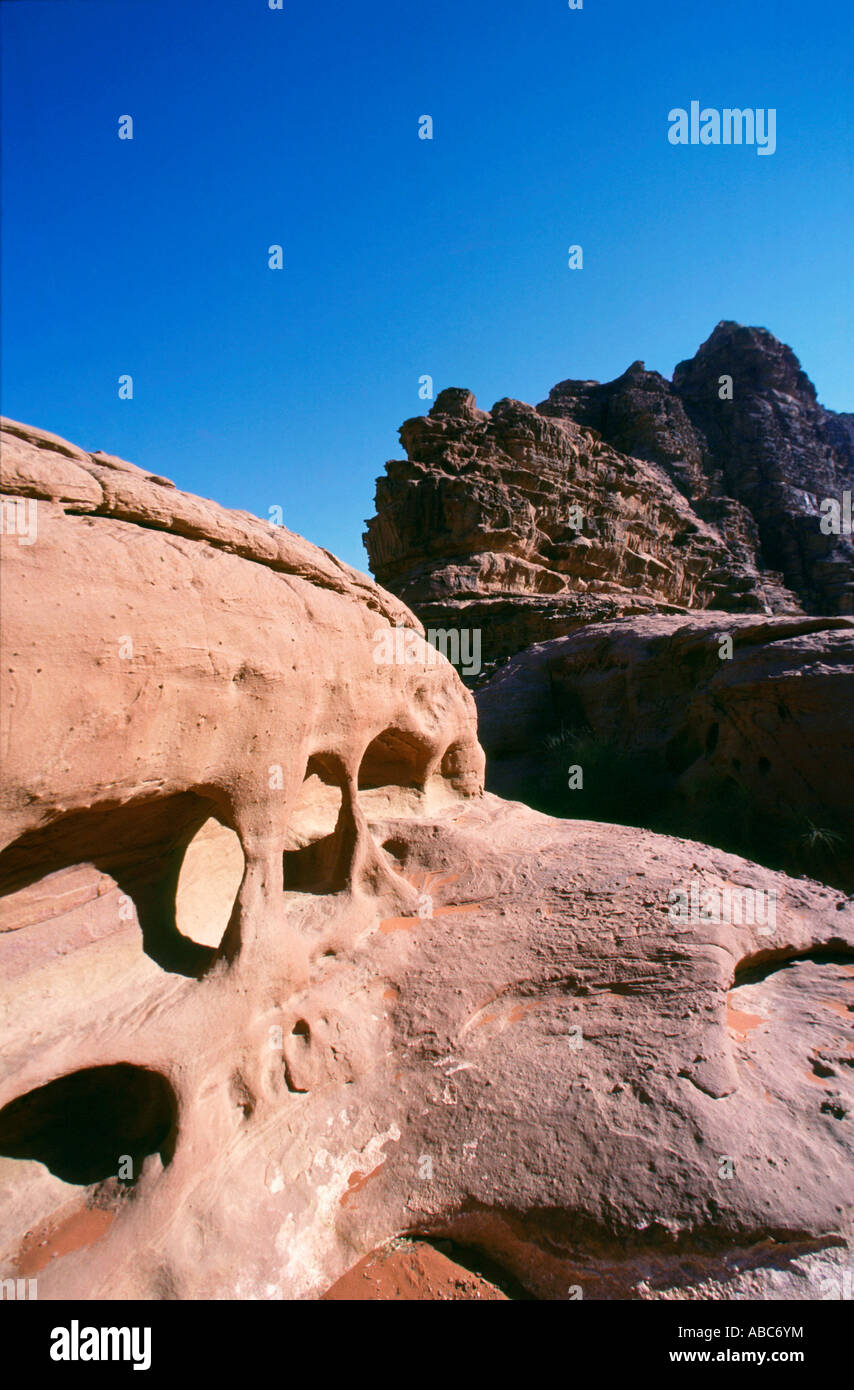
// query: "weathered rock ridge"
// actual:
[[735, 730], [628, 497], [279, 982]]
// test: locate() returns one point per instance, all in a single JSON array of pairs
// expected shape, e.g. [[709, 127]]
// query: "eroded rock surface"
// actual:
[[734, 729], [431, 1012]]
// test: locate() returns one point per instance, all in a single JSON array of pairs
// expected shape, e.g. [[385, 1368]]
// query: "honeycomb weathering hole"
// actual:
[[398, 849], [321, 834], [394, 759], [208, 884], [83, 1125], [142, 845]]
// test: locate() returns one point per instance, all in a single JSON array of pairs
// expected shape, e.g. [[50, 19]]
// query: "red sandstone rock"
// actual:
[[732, 728], [432, 1012]]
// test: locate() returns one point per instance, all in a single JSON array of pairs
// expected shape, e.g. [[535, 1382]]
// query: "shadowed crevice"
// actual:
[[83, 1125]]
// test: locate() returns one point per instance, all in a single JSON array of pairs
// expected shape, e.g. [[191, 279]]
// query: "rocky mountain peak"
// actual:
[[628, 496], [456, 400], [759, 360]]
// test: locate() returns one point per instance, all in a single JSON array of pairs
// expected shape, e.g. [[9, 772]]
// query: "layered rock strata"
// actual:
[[625, 498]]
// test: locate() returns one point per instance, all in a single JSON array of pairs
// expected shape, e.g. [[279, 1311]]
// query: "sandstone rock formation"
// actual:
[[430, 1012], [625, 498], [731, 729], [772, 448]]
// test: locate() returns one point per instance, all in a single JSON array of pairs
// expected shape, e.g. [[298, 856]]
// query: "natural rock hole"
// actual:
[[296, 1057], [394, 759], [142, 846], [208, 884], [753, 969], [320, 834], [398, 849], [83, 1124]]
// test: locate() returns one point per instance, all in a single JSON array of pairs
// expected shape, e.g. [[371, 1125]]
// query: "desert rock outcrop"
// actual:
[[733, 729], [772, 447], [620, 499], [431, 1012]]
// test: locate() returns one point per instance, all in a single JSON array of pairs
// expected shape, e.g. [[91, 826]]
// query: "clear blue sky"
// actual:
[[402, 256]]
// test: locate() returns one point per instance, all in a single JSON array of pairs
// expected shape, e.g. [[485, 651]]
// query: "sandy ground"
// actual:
[[413, 1270], [51, 1240]]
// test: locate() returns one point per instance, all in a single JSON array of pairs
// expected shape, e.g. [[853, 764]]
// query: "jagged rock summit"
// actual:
[[620, 498]]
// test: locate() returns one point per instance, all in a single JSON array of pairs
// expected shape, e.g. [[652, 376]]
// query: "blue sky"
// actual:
[[402, 256]]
